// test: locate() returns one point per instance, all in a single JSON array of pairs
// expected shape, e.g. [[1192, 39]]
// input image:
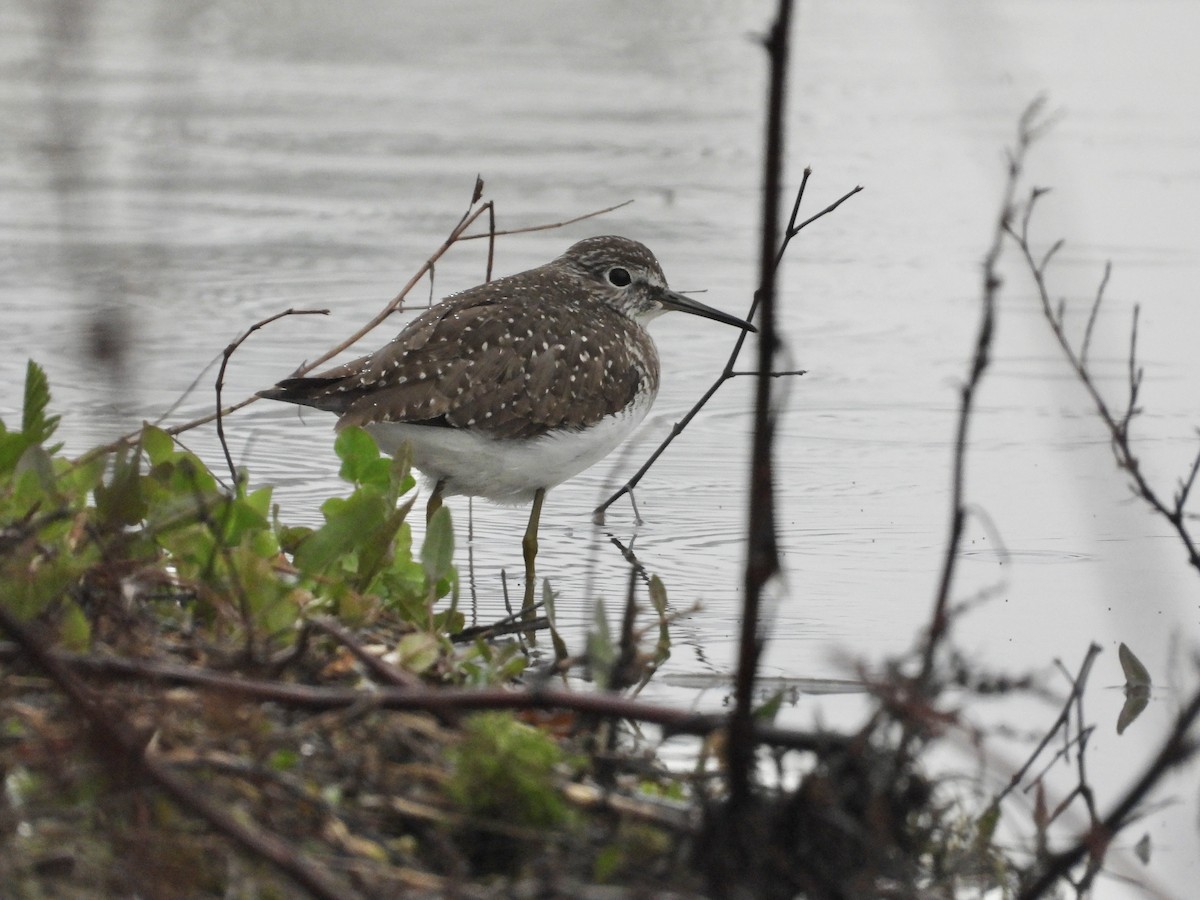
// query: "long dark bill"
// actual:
[[673, 301]]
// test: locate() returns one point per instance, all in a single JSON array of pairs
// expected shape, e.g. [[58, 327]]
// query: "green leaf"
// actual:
[[284, 759], [662, 647], [608, 863], [1136, 674], [346, 522], [187, 474], [548, 597], [602, 654], [157, 444], [437, 553], [292, 536], [377, 546], [767, 711], [985, 827], [237, 518], [260, 501], [12, 445], [506, 770], [36, 425], [402, 479], [37, 463], [120, 500], [76, 631], [77, 481], [1136, 700], [358, 452], [449, 621]]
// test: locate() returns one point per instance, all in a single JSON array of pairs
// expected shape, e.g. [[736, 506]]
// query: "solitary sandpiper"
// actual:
[[511, 387]]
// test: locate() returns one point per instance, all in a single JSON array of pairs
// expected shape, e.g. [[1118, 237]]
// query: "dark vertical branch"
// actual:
[[762, 563]]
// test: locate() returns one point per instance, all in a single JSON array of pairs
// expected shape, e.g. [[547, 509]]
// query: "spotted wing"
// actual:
[[513, 358]]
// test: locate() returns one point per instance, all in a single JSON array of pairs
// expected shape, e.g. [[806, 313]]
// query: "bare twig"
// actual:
[[1185, 486], [1176, 749], [1027, 131], [1118, 426], [728, 372], [379, 668], [1091, 322], [499, 629], [1077, 686], [547, 226], [225, 357], [794, 229], [456, 234], [787, 374]]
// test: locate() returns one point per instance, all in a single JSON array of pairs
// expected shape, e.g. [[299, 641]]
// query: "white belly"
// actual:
[[507, 471]]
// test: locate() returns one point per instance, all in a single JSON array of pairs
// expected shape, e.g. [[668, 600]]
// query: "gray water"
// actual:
[[173, 172]]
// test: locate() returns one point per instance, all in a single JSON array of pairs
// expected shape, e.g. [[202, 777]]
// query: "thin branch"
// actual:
[[794, 230], [398, 301], [1185, 486], [225, 357], [1034, 195], [1049, 255], [436, 700], [1091, 322], [456, 234], [789, 374], [1064, 717], [728, 372], [1175, 750], [1135, 377], [379, 668], [1118, 428], [1026, 132], [528, 229]]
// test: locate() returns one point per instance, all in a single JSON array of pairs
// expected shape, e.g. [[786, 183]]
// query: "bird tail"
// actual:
[[316, 392]]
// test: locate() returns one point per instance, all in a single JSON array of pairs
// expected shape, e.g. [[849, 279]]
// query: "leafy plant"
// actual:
[[150, 526], [505, 770]]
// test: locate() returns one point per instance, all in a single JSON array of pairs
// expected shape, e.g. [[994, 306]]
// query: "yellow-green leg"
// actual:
[[435, 500], [530, 546]]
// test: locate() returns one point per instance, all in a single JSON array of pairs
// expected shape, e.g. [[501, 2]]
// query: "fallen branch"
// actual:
[[126, 747], [433, 700]]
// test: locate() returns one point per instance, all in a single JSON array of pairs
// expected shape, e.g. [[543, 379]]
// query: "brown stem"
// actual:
[[433, 700], [762, 562], [939, 622]]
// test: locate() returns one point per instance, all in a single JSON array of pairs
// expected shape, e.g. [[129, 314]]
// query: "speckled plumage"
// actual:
[[556, 357]]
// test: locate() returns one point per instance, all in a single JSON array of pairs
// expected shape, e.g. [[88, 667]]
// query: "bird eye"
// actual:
[[620, 277]]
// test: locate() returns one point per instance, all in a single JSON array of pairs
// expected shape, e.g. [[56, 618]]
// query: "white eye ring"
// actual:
[[619, 277]]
